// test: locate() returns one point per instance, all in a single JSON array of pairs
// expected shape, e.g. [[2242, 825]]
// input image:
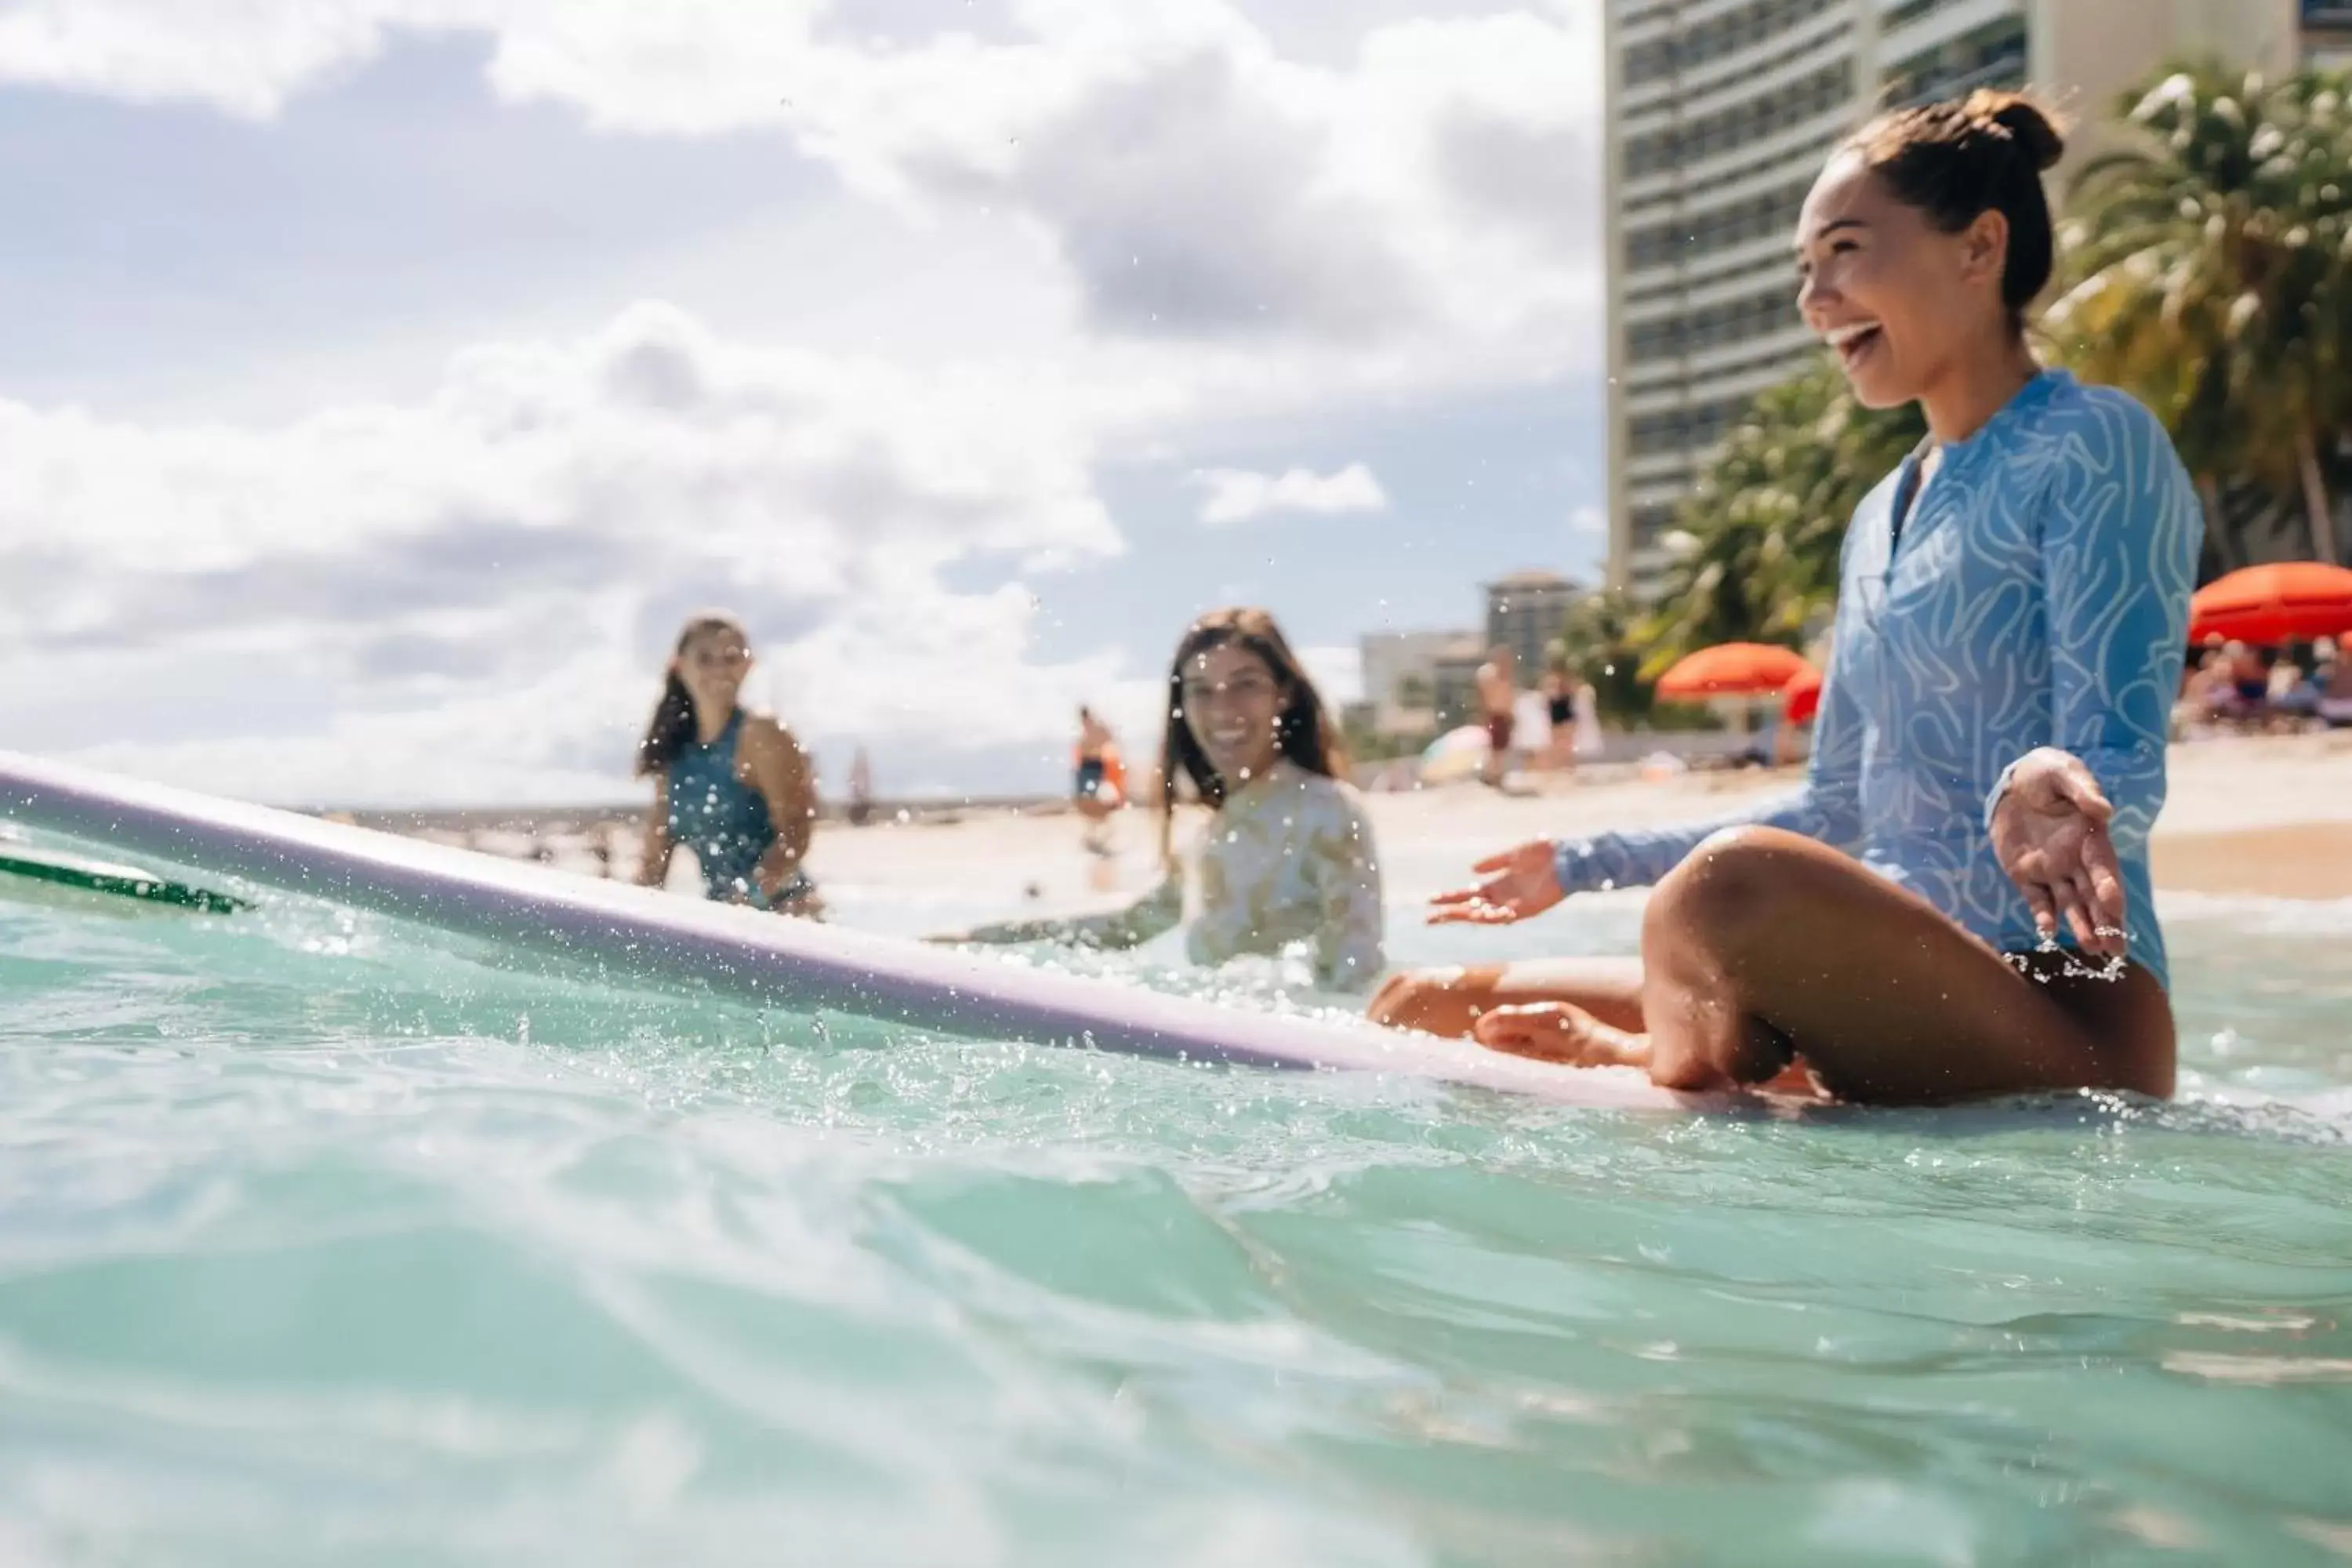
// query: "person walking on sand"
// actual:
[[1498, 697], [730, 784], [1288, 856], [1957, 904]]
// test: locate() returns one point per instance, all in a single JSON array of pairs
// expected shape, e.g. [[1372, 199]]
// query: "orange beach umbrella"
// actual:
[[1800, 699], [1732, 669], [2289, 601]]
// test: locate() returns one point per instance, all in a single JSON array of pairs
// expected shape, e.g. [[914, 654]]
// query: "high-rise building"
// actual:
[[2326, 33], [1526, 613], [1400, 668], [1720, 113]]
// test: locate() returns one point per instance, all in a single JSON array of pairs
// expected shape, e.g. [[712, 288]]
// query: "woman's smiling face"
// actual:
[[1896, 300], [712, 665], [1234, 705]]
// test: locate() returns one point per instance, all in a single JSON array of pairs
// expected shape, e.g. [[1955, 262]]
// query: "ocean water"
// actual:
[[324, 1240]]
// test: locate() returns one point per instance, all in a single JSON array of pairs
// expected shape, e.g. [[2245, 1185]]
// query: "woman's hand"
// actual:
[[1520, 883], [2050, 834]]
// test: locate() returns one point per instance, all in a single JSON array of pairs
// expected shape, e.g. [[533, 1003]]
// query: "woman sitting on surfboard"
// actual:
[[1991, 752], [1288, 853], [732, 785]]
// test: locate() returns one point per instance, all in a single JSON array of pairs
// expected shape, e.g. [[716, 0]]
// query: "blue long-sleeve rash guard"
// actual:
[[2037, 594]]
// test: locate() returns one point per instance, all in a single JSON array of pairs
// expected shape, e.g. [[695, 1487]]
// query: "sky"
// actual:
[[383, 382]]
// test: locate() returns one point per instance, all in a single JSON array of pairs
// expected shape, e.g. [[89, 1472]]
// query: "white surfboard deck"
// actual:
[[643, 934]]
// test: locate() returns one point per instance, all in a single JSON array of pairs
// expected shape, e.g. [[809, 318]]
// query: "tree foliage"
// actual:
[[2207, 269], [2210, 273], [1756, 543]]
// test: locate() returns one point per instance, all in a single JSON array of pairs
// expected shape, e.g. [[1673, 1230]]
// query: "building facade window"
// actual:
[[1742, 124], [1730, 34], [1994, 55], [1716, 326], [1694, 429], [1719, 228], [1526, 613]]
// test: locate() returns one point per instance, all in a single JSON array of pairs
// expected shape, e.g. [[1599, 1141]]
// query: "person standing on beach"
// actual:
[[1957, 904], [1575, 722], [1589, 740], [861, 788], [1099, 789], [1288, 856], [732, 785], [1498, 697]]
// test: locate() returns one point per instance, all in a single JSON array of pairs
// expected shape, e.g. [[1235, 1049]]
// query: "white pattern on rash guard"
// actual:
[[1289, 858], [2039, 597]]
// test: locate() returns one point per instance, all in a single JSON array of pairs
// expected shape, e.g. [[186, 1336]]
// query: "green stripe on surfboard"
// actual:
[[86, 876]]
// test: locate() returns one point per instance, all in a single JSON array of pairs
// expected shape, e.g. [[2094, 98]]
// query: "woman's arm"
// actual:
[[653, 863], [1529, 879], [1828, 807], [1150, 916], [2120, 535], [779, 770], [2121, 530]]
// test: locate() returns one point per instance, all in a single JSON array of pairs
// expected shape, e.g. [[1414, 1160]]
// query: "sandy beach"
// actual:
[[2268, 816]]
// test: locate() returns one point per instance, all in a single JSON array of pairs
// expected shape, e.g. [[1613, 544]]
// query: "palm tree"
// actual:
[[2209, 276], [1757, 541]]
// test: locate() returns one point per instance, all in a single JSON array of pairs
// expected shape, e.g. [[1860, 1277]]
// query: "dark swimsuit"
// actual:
[[724, 820]]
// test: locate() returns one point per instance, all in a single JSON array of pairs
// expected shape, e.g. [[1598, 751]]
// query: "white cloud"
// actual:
[[459, 593], [240, 57], [1440, 186], [1237, 495], [448, 597]]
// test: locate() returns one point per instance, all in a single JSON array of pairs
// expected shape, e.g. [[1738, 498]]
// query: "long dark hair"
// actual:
[[672, 721], [1304, 732], [1958, 160]]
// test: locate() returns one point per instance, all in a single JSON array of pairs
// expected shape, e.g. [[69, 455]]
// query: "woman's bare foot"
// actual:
[[1565, 1033], [1560, 1032]]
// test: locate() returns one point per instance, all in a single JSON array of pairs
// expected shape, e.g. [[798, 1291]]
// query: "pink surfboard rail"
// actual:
[[642, 934]]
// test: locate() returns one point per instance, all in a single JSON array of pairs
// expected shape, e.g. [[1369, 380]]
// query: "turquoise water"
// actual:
[[321, 1240]]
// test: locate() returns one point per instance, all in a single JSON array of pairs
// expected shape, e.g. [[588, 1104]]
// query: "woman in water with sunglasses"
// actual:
[[1958, 905], [1288, 853]]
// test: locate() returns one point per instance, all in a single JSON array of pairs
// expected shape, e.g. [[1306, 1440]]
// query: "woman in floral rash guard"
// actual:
[[1288, 853], [1958, 905]]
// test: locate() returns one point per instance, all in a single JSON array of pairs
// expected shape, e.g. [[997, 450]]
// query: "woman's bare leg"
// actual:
[[1450, 1001], [1764, 944]]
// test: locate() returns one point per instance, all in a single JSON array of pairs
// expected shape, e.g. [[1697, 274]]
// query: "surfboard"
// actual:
[[647, 935], [53, 871]]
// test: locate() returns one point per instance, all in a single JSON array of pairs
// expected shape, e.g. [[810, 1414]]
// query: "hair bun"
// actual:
[[2031, 127]]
